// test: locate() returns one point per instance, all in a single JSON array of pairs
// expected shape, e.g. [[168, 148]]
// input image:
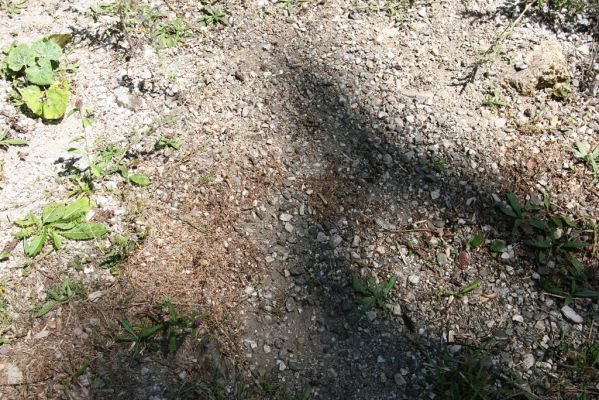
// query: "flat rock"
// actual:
[[572, 315]]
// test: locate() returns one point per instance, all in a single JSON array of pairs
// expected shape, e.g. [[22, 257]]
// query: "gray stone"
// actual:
[[572, 315]]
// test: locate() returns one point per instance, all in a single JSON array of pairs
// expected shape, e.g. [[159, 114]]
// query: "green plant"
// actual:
[[163, 143], [5, 142], [63, 293], [373, 294], [470, 375], [584, 154], [164, 319], [58, 221], [86, 115], [121, 247], [476, 241], [170, 33], [561, 90], [33, 71], [213, 16], [553, 237], [465, 290], [13, 7], [493, 99]]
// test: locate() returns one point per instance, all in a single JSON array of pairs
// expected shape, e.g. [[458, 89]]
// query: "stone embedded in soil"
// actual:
[[572, 315], [414, 279], [10, 374]]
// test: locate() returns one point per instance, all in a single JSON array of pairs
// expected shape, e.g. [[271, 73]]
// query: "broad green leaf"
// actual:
[[45, 49], [57, 98], [52, 212], [97, 171], [568, 221], [33, 96], [63, 226], [514, 203], [4, 255], [497, 246], [61, 39], [586, 293], [19, 56], [127, 326], [476, 241], [139, 180], [507, 210], [557, 222], [470, 287], [45, 309], [35, 245], [29, 220], [575, 262], [40, 74], [367, 302], [76, 209], [583, 149], [85, 231]]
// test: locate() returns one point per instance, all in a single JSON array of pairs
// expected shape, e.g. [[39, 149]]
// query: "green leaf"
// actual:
[[52, 212], [29, 220], [63, 226], [40, 74], [85, 231], [84, 367], [470, 287], [514, 203], [13, 142], [476, 241], [575, 262], [139, 180], [388, 286], [32, 96], [45, 49], [127, 326], [497, 246], [574, 245], [359, 286], [541, 225], [539, 244], [4, 255], [568, 221], [35, 245], [76, 209], [61, 39], [172, 342], [586, 293], [57, 98], [367, 302], [19, 56], [146, 333], [507, 210], [56, 240], [25, 233], [45, 309]]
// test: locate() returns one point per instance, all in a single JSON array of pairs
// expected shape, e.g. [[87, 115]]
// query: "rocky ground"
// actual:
[[322, 143]]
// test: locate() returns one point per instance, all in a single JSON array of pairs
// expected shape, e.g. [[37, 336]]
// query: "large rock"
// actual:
[[546, 66]]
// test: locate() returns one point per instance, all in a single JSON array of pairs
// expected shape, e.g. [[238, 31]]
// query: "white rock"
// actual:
[[571, 315], [414, 279]]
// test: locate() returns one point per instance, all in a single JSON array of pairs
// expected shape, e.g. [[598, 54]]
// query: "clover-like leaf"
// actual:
[[46, 49]]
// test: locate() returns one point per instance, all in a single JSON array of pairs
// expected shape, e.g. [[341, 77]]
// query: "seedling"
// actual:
[[64, 293], [213, 16], [373, 294], [5, 142], [465, 290], [167, 321], [584, 154], [13, 7], [493, 99], [58, 221], [498, 245], [33, 71], [163, 143], [476, 241], [561, 90], [171, 33]]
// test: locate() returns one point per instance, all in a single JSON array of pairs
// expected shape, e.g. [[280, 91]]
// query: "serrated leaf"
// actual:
[[25, 233], [61, 39], [146, 333], [57, 98], [40, 74], [573, 244], [359, 286], [586, 293], [476, 240], [497, 246], [84, 231], [139, 180], [52, 212], [32, 96], [507, 210], [63, 226], [514, 203], [56, 240], [539, 244], [46, 49], [388, 286], [19, 56], [367, 302], [45, 309], [76, 209], [542, 225], [29, 220], [35, 245]]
